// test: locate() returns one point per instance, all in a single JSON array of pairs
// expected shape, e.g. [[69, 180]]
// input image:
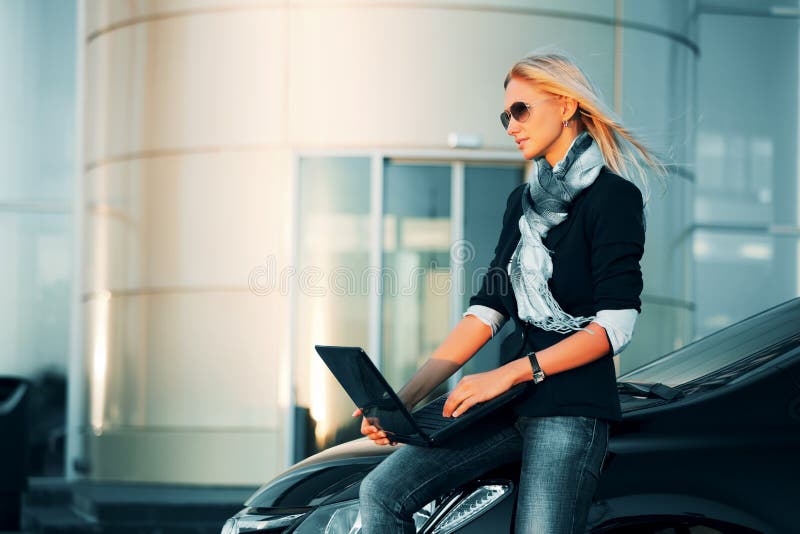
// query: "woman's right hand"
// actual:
[[374, 433]]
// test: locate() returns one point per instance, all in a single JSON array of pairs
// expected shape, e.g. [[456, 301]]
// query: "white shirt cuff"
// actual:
[[619, 326], [488, 316]]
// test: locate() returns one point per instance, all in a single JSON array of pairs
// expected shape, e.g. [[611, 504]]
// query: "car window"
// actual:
[[748, 343]]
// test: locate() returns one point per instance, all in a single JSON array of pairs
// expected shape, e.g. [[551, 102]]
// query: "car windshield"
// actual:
[[736, 349]]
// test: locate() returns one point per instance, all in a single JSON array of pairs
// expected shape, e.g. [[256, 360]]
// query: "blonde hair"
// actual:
[[555, 72]]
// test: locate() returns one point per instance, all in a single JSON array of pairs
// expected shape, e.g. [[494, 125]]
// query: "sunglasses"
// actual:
[[520, 111]]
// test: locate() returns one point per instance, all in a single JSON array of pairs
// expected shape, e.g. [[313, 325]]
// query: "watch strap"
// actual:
[[538, 374]]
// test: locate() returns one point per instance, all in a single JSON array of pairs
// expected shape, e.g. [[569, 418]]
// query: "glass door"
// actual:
[[417, 230]]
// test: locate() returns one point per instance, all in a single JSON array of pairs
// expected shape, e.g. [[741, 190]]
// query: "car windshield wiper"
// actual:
[[655, 390]]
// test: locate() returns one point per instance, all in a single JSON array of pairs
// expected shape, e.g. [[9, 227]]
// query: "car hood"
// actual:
[[328, 476], [333, 474]]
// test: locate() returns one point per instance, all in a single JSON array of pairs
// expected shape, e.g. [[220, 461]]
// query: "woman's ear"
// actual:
[[569, 107]]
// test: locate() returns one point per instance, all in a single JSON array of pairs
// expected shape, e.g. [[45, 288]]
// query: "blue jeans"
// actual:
[[561, 461]]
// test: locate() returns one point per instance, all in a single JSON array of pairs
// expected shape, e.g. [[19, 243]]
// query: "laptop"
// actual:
[[370, 391]]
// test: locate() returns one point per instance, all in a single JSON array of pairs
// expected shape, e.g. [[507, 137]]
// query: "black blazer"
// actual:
[[596, 254]]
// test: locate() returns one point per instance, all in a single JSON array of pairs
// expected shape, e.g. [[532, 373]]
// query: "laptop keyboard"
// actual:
[[430, 417]]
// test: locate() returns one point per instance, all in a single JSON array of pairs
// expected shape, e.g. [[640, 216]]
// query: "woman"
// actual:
[[566, 270]]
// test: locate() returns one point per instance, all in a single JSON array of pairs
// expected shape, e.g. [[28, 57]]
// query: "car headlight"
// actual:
[[344, 517], [333, 519], [476, 503], [454, 513], [244, 522]]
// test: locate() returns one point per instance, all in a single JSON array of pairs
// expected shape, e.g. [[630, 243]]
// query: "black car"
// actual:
[[709, 442]]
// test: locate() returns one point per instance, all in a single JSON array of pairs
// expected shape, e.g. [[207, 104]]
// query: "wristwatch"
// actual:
[[538, 374]]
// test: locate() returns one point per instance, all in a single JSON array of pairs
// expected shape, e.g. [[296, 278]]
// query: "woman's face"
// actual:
[[541, 133]]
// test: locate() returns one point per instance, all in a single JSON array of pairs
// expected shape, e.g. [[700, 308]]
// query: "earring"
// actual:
[[565, 124]]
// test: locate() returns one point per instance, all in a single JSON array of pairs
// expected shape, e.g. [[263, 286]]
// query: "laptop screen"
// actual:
[[366, 387]]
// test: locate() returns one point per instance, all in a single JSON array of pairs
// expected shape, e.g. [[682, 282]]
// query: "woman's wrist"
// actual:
[[518, 371]]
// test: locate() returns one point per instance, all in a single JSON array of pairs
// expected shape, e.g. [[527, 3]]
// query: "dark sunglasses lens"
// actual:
[[504, 120], [519, 111]]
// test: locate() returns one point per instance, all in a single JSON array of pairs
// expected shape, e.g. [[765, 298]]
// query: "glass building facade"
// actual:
[[193, 194]]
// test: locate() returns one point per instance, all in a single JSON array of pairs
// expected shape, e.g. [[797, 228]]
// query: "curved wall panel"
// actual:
[[195, 220], [205, 81]]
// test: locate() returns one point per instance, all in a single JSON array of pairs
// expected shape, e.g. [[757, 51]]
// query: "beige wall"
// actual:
[[193, 113], [186, 191]]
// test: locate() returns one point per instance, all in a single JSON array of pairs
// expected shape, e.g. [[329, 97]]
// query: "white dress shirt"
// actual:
[[618, 324]]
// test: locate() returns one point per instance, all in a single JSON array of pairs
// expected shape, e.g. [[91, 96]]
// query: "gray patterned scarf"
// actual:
[[545, 203]]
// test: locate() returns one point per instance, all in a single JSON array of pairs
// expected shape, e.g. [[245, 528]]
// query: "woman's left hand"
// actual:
[[476, 388]]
